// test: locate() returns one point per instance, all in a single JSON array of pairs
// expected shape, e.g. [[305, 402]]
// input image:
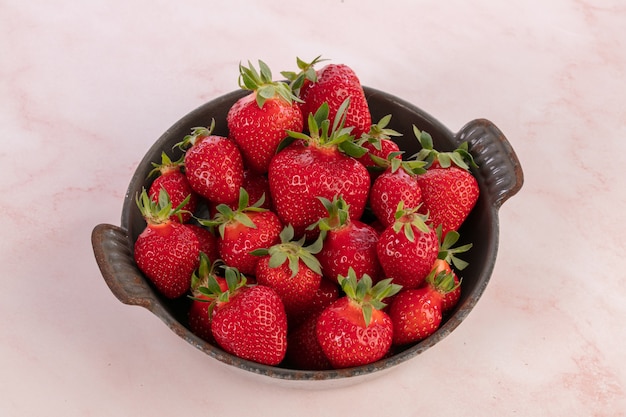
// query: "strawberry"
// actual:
[[327, 292], [335, 83], [446, 257], [378, 142], [213, 165], [303, 349], [348, 243], [292, 270], [449, 190], [450, 299], [257, 186], [408, 248], [207, 240], [318, 165], [259, 121], [248, 321], [198, 314], [416, 313], [166, 251], [173, 180], [397, 183], [244, 230], [354, 330]]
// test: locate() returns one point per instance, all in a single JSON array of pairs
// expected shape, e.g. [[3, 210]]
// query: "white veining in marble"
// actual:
[[87, 87]]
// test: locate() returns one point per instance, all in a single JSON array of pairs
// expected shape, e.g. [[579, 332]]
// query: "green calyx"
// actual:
[[205, 270], [448, 252], [214, 294], [338, 214], [412, 167], [406, 219], [292, 251], [368, 297], [460, 157], [226, 215], [378, 132], [323, 134], [160, 211], [307, 72], [196, 134], [442, 281], [166, 165], [262, 83]]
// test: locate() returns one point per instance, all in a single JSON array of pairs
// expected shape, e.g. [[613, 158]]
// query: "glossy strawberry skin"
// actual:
[[252, 325], [449, 195], [298, 292], [299, 174], [352, 245], [259, 130], [167, 254], [389, 189], [335, 83], [344, 338], [178, 188], [214, 169], [239, 240], [416, 314], [408, 263], [208, 242]]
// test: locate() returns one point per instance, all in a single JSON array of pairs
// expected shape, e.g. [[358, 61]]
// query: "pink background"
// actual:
[[87, 87]]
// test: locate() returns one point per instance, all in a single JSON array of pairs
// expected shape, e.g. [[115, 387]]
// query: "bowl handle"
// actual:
[[114, 257], [497, 162]]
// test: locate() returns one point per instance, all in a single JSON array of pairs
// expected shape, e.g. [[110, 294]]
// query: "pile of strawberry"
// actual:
[[320, 246]]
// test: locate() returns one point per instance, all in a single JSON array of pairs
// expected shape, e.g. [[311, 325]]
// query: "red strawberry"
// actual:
[[317, 166], [336, 83], [248, 321], [259, 121], [327, 292], [446, 258], [207, 241], [348, 243], [449, 195], [173, 180], [450, 299], [167, 252], [397, 183], [257, 186], [213, 165], [303, 349], [378, 143], [354, 330], [199, 316], [449, 190], [244, 230], [408, 248], [292, 270], [417, 313]]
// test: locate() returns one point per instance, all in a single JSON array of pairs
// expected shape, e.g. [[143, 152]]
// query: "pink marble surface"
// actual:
[[87, 87]]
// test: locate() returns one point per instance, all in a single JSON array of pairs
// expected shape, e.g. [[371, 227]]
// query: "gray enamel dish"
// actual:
[[499, 176]]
